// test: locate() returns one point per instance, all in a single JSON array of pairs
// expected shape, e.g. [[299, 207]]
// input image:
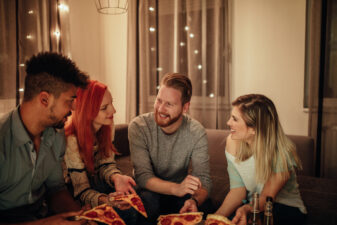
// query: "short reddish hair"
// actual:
[[88, 104]]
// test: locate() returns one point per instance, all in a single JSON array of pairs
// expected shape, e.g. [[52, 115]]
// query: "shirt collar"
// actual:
[[21, 135], [19, 131]]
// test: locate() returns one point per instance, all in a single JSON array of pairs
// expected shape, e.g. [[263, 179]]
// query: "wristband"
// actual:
[[196, 201]]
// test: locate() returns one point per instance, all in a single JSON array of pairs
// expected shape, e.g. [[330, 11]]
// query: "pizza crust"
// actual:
[[211, 218]]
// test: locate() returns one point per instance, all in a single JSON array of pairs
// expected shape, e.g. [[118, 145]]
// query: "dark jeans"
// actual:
[[287, 215], [158, 204], [25, 213]]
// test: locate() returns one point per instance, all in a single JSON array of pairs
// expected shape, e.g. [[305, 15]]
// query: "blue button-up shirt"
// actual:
[[25, 176]]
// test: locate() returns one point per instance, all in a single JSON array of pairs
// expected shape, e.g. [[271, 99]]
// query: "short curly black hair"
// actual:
[[51, 72]]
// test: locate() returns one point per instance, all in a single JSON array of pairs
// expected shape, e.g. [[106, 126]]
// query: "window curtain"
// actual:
[[26, 28], [186, 36], [313, 48]]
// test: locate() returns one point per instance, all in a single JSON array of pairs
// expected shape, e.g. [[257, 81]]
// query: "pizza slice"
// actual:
[[189, 218], [104, 214], [134, 200], [213, 219]]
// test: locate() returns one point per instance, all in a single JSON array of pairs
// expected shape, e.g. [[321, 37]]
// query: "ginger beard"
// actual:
[[165, 120]]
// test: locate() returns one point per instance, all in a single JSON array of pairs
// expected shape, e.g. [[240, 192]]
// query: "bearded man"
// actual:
[[163, 144], [32, 148]]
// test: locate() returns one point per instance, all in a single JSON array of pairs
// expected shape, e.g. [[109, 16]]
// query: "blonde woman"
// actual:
[[261, 159]]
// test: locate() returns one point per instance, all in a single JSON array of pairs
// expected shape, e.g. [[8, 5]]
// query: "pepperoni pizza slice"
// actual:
[[104, 214], [213, 219], [134, 200], [189, 218]]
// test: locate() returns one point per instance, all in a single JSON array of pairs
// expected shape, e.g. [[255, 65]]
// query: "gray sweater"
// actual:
[[156, 154]]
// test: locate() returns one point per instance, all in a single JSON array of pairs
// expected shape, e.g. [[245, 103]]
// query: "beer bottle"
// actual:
[[268, 212], [255, 216]]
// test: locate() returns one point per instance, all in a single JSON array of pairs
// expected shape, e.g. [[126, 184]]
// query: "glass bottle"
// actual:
[[255, 216], [268, 212]]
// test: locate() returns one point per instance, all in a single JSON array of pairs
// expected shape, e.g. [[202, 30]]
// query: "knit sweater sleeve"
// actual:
[[140, 155], [78, 174], [200, 158], [107, 167]]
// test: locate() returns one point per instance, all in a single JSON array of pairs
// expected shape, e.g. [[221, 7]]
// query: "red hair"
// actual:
[[88, 104]]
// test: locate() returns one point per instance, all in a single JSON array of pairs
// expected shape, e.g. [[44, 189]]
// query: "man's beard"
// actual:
[[59, 124], [169, 122]]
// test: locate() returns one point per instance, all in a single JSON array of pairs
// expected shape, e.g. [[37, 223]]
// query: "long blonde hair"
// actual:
[[270, 143]]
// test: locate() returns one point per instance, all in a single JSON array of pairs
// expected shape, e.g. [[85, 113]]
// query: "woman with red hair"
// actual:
[[90, 153]]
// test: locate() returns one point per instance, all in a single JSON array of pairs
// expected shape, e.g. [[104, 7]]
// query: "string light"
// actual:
[[21, 89], [57, 34], [152, 29], [211, 95], [182, 44], [159, 69], [199, 66], [29, 36], [30, 12], [196, 51], [151, 8], [63, 7], [191, 35], [187, 28], [22, 64]]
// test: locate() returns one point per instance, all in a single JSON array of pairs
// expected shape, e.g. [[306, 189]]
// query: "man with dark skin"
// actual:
[[32, 145]]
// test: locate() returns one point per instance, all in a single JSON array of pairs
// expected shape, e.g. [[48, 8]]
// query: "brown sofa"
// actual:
[[319, 194]]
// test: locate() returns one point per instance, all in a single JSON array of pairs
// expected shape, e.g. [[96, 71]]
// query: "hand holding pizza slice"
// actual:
[[133, 199]]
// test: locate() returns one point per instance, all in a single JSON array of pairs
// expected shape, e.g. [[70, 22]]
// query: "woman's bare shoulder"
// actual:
[[231, 145]]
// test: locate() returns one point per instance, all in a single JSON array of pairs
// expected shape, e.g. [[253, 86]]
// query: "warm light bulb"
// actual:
[[30, 12], [22, 64], [187, 28], [191, 35], [21, 89], [29, 36], [199, 66], [63, 7], [152, 29], [196, 52], [182, 44], [211, 95], [57, 34], [151, 8]]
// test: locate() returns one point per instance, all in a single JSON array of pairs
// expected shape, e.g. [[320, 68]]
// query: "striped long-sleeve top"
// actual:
[[104, 168]]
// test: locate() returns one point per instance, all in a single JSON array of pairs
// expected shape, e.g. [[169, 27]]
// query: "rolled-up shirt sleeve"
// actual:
[[235, 179]]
